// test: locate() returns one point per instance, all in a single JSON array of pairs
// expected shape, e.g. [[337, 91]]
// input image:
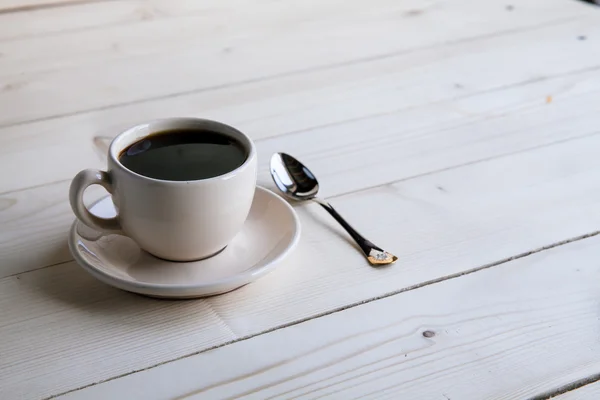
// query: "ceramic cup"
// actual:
[[174, 220]]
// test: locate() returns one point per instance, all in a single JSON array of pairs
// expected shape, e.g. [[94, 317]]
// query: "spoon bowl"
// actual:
[[292, 178]]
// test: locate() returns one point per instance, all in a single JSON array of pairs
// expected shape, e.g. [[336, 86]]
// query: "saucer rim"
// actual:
[[229, 283]]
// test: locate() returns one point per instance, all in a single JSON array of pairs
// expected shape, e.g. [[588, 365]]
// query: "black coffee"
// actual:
[[184, 155]]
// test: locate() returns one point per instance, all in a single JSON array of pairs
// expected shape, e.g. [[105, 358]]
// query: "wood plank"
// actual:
[[322, 101], [413, 142], [100, 15], [52, 341], [510, 332], [101, 68]]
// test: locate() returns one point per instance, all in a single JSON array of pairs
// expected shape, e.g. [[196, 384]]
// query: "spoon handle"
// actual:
[[376, 255]]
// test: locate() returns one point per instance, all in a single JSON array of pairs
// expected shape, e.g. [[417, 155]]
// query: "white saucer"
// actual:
[[269, 234]]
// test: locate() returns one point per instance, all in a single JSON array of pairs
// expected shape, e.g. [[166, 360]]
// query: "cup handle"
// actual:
[[81, 181]]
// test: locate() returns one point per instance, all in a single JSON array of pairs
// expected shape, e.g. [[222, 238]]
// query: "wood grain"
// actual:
[[241, 42], [411, 143], [501, 207], [104, 318], [479, 336], [34, 227]]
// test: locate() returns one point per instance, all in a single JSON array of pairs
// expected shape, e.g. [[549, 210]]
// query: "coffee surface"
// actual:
[[184, 155]]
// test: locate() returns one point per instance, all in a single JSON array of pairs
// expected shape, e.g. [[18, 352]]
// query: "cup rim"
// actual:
[[115, 146]]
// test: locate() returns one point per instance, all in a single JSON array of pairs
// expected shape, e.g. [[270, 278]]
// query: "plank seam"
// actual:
[[56, 264], [356, 304], [567, 388], [37, 7]]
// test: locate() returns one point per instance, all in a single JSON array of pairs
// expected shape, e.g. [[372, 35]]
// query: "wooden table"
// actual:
[[461, 135]]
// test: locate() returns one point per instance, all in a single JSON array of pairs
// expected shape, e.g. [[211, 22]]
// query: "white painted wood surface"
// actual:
[[458, 134], [512, 214], [414, 152], [235, 42], [410, 94], [478, 336]]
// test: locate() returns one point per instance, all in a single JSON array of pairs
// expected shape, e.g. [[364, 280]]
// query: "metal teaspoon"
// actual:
[[297, 182]]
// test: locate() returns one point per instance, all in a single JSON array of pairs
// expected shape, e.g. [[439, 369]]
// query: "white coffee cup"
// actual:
[[174, 220]]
